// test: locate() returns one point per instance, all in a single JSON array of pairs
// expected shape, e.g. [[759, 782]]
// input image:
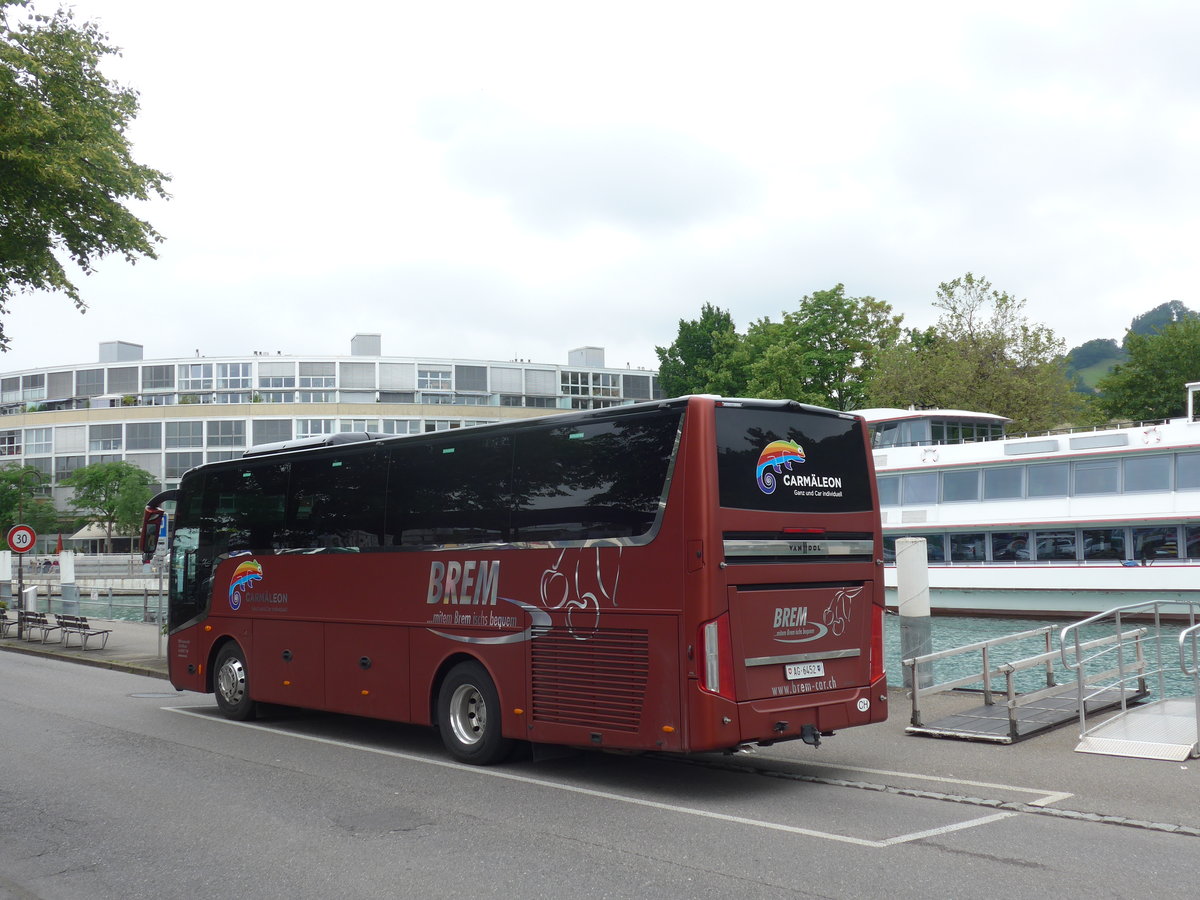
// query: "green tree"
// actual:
[[982, 355], [22, 501], [824, 351], [66, 169], [1150, 385], [108, 493], [1157, 319], [703, 358]]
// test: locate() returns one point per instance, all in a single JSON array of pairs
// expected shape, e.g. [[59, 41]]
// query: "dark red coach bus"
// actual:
[[689, 575]]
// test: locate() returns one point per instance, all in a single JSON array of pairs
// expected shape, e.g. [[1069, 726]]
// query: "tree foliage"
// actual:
[[112, 494], [1150, 385], [1155, 320], [819, 353], [1095, 351], [982, 355], [703, 356], [66, 167], [22, 501], [824, 351]]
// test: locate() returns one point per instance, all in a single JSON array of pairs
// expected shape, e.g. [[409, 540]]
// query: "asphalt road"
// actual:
[[113, 785]]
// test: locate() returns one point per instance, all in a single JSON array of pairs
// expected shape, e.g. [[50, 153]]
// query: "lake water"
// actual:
[[948, 632]]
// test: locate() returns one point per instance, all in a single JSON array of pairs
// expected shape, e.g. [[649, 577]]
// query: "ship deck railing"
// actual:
[[1015, 712], [1167, 728]]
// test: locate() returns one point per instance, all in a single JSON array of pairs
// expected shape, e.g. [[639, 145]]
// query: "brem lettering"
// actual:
[[791, 616], [464, 583]]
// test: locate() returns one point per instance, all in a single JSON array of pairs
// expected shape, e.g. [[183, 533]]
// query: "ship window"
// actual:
[[1187, 472], [1055, 544], [967, 547], [1192, 547], [1010, 545], [1004, 483], [960, 485], [1104, 543], [889, 490], [920, 489], [935, 546], [1161, 542], [1048, 480], [1097, 476], [1147, 473]]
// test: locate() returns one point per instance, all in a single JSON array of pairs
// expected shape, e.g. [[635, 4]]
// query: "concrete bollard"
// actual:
[[912, 591]]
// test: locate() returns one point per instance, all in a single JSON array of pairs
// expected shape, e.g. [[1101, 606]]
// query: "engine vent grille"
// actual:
[[595, 683]]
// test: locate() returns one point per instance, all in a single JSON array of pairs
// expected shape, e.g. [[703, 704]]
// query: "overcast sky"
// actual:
[[512, 180]]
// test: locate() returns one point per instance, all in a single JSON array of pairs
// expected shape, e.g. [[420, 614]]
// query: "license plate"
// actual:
[[804, 670]]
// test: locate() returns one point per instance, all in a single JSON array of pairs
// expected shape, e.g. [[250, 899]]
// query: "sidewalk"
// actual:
[[135, 647]]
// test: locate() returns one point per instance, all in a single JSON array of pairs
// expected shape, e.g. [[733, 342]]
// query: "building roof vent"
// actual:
[[365, 345]]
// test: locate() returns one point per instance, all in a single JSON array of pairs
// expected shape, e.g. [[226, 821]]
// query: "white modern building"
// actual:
[[168, 415]]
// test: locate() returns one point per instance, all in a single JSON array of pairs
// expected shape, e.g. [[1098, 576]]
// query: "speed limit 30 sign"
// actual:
[[21, 538]]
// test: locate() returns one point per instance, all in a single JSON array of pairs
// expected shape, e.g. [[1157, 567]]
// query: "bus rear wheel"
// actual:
[[468, 714], [231, 683]]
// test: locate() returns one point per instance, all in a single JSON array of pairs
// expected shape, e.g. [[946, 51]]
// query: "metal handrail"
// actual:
[[1069, 638], [1008, 670]]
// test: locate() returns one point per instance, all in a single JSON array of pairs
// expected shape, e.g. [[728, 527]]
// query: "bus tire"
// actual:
[[468, 716], [231, 683]]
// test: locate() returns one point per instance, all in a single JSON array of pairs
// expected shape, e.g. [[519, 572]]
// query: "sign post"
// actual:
[[21, 539]]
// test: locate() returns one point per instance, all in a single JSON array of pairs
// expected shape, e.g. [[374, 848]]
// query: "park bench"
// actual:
[[78, 625], [36, 624]]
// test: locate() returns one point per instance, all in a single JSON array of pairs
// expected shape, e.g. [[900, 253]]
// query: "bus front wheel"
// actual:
[[232, 685], [468, 713]]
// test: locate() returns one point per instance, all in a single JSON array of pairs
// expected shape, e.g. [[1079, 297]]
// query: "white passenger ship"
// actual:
[[1057, 524]]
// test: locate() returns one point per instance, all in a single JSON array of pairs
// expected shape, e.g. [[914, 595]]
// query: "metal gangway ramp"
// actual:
[[1010, 714], [1167, 728]]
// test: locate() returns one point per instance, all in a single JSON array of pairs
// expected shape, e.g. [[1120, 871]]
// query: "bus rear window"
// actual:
[[791, 460]]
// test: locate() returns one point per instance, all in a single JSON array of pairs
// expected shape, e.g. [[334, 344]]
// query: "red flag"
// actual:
[[58, 549]]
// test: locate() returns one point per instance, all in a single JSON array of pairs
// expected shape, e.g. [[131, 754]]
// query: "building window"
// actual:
[[10, 443], [33, 387], [540, 402], [317, 375], [185, 434], [278, 396], [401, 426], [231, 433], [270, 431], [233, 397], [576, 384], [397, 397], [143, 436], [39, 441], [65, 465], [313, 427], [196, 377], [157, 378], [104, 437], [434, 380], [221, 455], [359, 425], [511, 400], [178, 463], [440, 424], [89, 382], [233, 376], [315, 396], [277, 381]]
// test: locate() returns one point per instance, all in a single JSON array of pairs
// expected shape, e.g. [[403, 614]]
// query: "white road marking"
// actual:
[[1047, 797], [603, 795]]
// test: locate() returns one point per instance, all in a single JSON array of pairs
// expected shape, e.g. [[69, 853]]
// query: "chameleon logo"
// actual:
[[775, 457], [243, 576]]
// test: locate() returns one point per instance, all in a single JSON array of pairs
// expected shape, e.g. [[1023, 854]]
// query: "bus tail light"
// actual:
[[877, 667], [716, 656]]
